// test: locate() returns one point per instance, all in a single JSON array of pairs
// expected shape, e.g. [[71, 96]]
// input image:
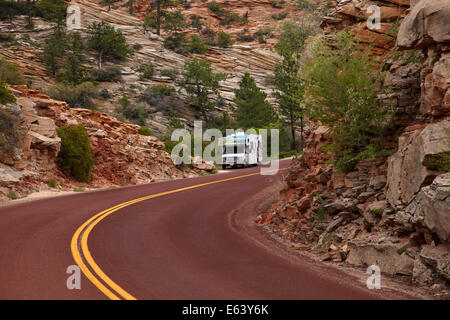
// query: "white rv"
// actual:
[[242, 150]]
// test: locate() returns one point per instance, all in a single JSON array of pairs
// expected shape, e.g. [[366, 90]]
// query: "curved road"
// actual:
[[183, 239]]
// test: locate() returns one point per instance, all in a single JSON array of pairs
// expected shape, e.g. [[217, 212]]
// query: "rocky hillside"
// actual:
[[122, 156], [393, 212], [251, 57]]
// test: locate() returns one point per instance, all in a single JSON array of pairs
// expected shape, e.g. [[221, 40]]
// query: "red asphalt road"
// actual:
[[177, 246]]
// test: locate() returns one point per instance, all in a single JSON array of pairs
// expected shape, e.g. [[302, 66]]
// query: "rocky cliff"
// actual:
[[122, 156], [393, 212]]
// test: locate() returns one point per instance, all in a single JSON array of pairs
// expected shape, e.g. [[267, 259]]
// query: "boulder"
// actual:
[[426, 24], [422, 274], [385, 251], [407, 172], [334, 207], [8, 176], [431, 207], [437, 258], [374, 211], [377, 182]]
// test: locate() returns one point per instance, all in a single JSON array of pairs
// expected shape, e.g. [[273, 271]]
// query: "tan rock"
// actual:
[[426, 24], [406, 170]]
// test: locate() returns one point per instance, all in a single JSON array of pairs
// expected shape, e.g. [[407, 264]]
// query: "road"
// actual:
[[182, 239]]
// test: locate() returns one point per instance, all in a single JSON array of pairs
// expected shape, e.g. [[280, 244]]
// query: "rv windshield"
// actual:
[[233, 149]]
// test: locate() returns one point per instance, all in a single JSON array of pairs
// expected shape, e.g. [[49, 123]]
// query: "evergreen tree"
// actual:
[[108, 3], [55, 11], [108, 42], [53, 51], [252, 109], [73, 71], [158, 9], [287, 79], [341, 90], [200, 82]]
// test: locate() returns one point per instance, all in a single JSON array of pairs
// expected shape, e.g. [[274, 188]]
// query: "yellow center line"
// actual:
[[93, 221]]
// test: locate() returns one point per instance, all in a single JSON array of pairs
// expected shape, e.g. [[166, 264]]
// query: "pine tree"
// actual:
[[158, 8], [107, 42], [200, 82], [287, 80], [108, 3], [53, 50], [252, 109]]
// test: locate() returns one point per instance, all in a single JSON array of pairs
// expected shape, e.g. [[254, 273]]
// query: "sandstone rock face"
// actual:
[[430, 208], [406, 170], [438, 259], [436, 86], [383, 251], [426, 24]]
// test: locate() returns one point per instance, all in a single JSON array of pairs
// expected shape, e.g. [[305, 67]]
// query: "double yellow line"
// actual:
[[83, 258]]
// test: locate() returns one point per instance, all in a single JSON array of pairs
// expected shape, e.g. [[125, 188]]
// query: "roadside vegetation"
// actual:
[[341, 90], [75, 157]]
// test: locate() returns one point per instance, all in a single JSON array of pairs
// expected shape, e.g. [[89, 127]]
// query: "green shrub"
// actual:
[[52, 183], [13, 196], [210, 33], [171, 73], [440, 161], [196, 22], [136, 112], [176, 42], [280, 16], [5, 95], [377, 212], [10, 73], [224, 40], [7, 37], [147, 71], [197, 45], [261, 39], [307, 5], [79, 96], [108, 74], [320, 213], [137, 46], [145, 131], [214, 7], [75, 157], [244, 36]]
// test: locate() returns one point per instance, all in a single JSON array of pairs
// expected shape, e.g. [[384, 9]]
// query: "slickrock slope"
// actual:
[[122, 156], [393, 212], [234, 61]]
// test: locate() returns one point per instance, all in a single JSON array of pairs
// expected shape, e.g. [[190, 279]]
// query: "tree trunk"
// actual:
[[293, 144], [301, 133], [204, 115], [158, 17], [100, 58]]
